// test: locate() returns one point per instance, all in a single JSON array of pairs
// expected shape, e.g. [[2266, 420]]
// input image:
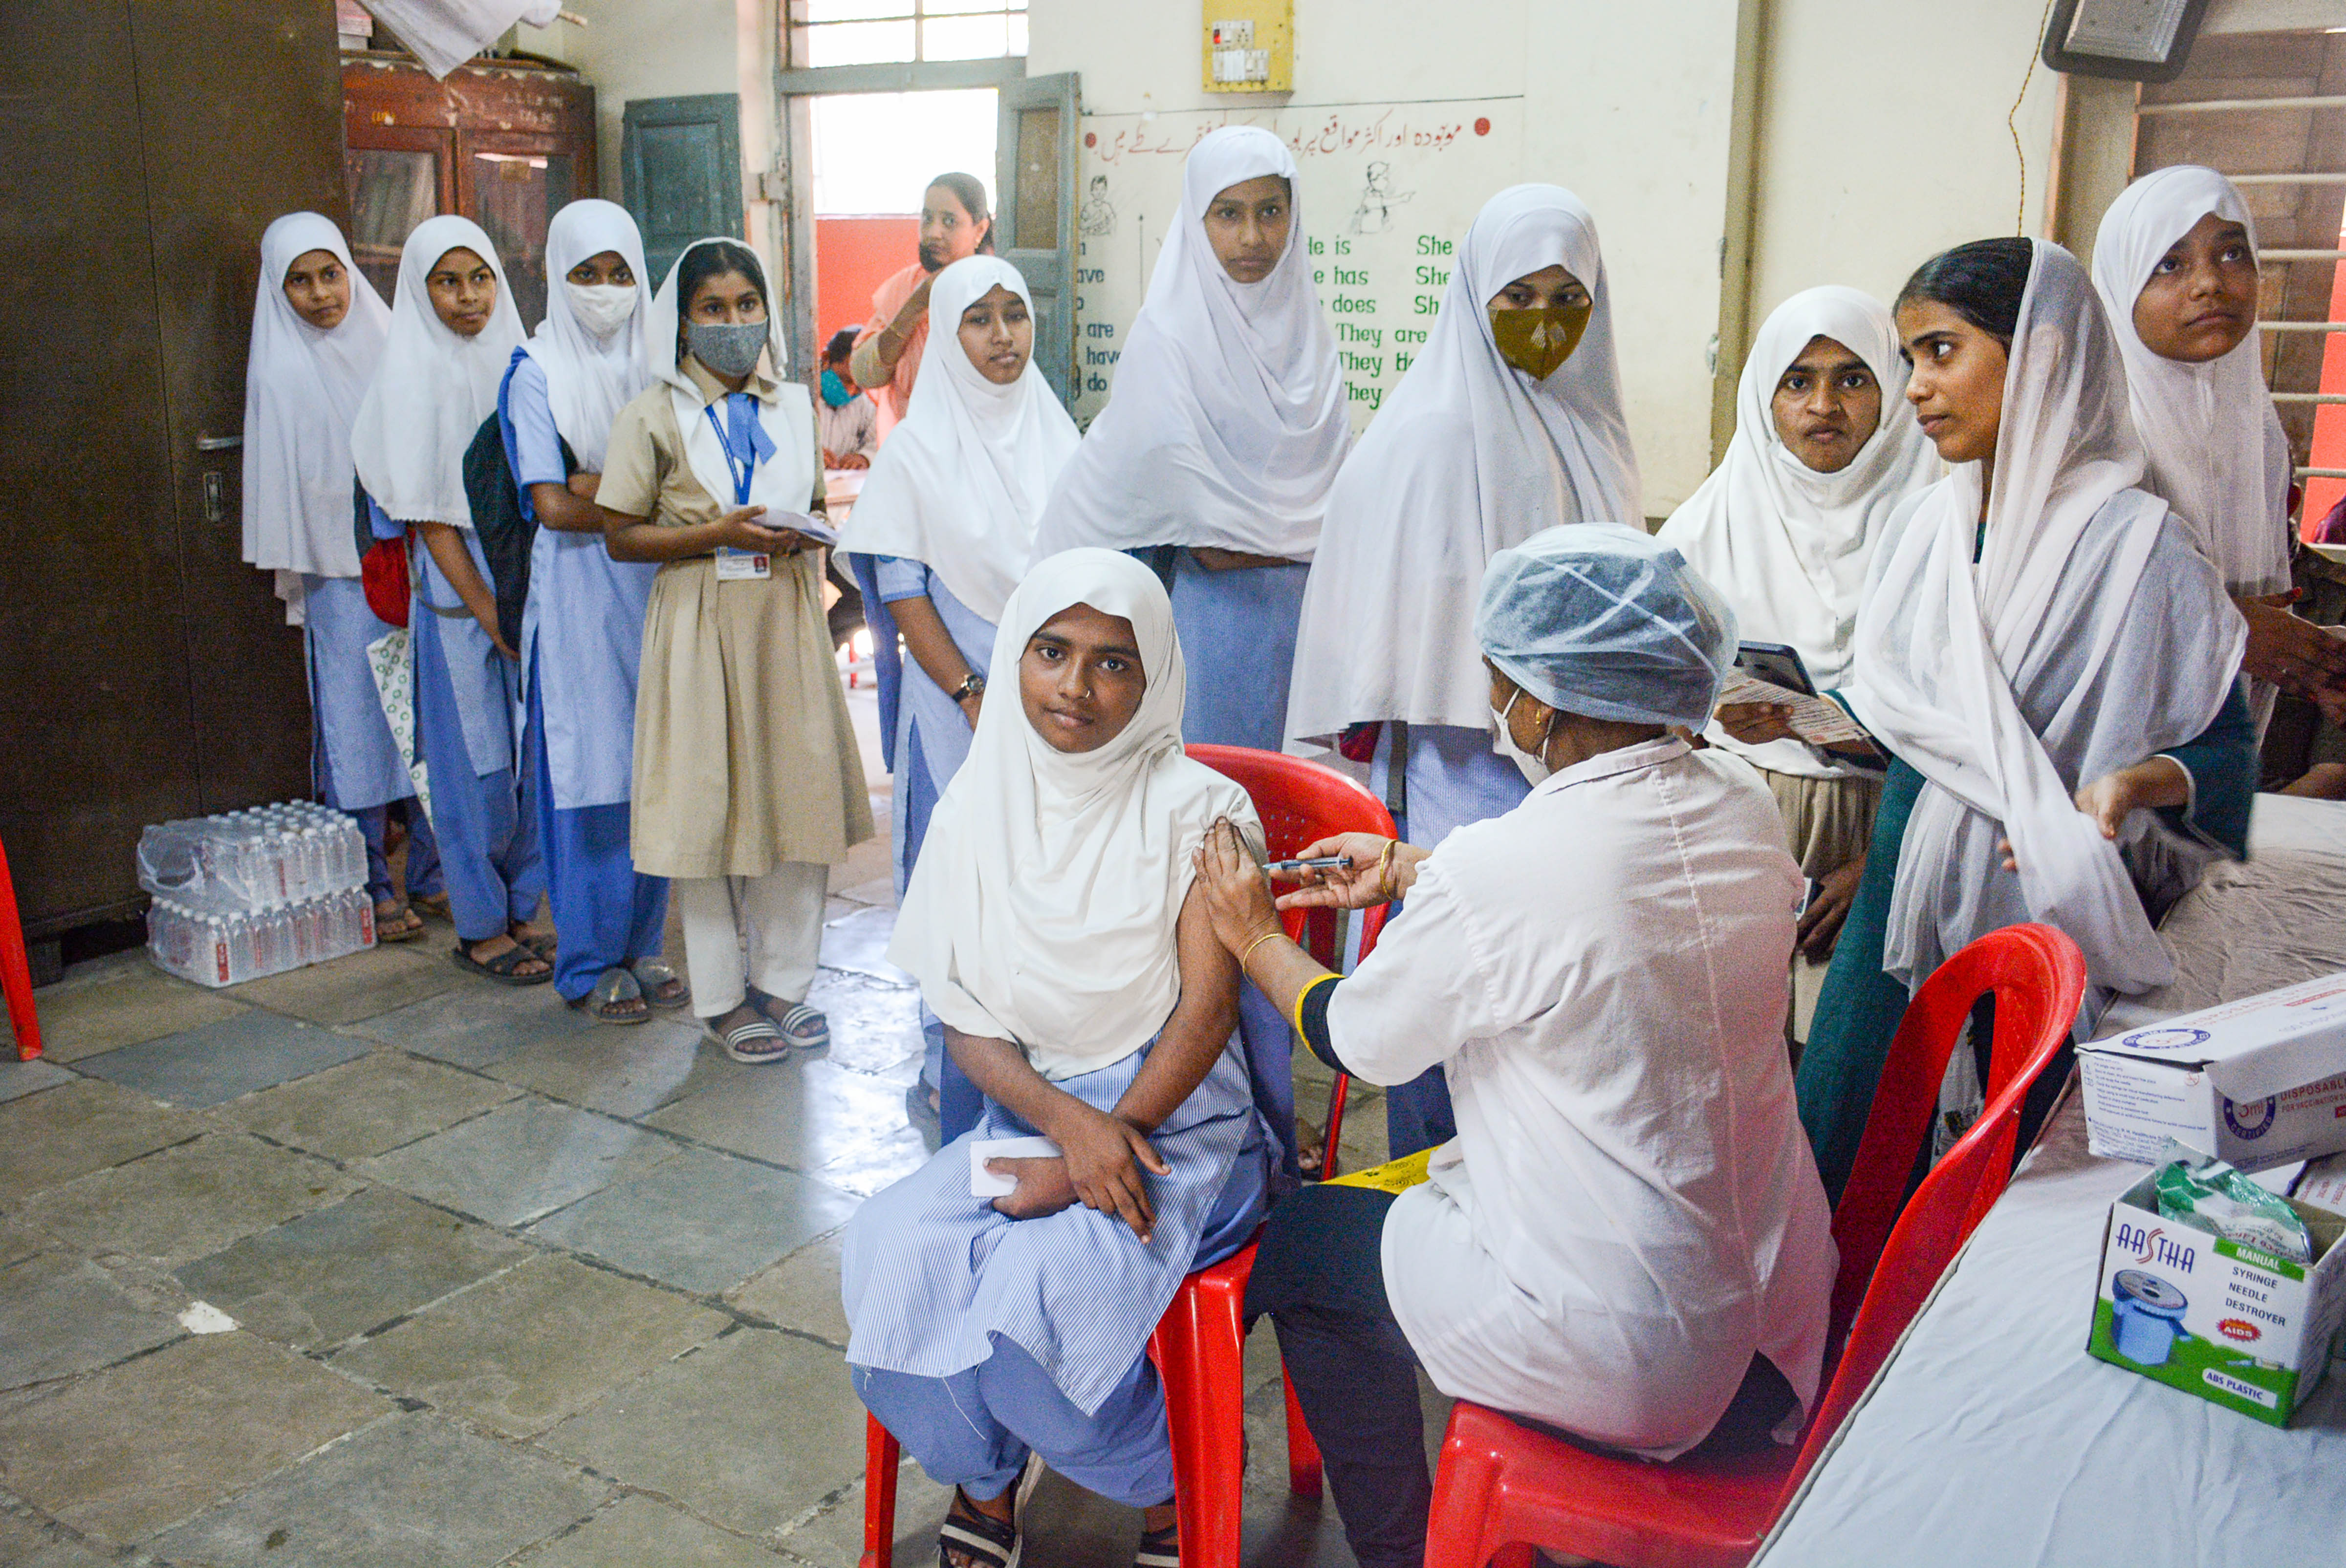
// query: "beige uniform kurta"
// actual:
[[744, 755]]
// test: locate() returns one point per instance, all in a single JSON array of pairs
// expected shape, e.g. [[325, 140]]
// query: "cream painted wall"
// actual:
[[641, 49], [1882, 137]]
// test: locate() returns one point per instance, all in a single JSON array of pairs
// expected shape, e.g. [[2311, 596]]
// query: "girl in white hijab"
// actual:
[[1824, 450], [1508, 423], [582, 627], [2050, 662], [939, 538], [453, 331], [1223, 434], [1052, 923], [317, 332], [2175, 262]]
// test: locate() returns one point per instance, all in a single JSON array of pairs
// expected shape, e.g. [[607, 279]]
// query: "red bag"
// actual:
[[1359, 741], [384, 572]]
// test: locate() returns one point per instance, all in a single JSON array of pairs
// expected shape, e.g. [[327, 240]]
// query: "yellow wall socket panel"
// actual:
[[1250, 45]]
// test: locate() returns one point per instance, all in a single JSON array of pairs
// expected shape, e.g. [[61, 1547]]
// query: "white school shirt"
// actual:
[[1629, 1210]]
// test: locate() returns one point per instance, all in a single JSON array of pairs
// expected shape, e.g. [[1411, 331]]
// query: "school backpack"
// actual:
[[506, 532]]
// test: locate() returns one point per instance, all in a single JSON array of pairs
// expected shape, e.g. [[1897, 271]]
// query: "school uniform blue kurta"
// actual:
[[483, 805], [355, 760], [582, 642]]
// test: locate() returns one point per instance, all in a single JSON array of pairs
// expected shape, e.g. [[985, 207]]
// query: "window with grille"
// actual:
[[2269, 109], [891, 32]]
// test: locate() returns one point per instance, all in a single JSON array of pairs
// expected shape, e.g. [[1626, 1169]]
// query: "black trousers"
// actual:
[[1321, 1276]]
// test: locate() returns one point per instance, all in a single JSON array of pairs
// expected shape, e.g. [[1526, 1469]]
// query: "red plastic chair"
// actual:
[[1199, 1345], [1301, 803], [16, 971], [1503, 1491]]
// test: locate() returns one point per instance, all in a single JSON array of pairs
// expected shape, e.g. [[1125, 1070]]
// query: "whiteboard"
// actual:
[[1386, 192]]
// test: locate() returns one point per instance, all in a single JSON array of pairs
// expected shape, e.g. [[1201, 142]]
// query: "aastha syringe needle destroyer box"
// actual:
[[2259, 1083]]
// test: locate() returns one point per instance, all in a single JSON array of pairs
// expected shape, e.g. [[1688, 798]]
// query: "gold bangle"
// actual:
[[1384, 868], [1266, 936]]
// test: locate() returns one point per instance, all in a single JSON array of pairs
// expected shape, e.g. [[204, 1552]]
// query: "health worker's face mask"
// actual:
[[834, 390], [1536, 341], [728, 348], [1534, 769], [602, 309]]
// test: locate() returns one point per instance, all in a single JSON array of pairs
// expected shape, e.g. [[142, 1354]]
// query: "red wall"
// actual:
[[854, 255]]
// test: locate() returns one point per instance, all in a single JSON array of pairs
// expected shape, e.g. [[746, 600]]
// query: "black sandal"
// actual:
[[501, 968], [1159, 1548], [970, 1539]]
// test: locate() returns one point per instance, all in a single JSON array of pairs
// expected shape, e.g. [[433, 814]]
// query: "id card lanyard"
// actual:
[[736, 565]]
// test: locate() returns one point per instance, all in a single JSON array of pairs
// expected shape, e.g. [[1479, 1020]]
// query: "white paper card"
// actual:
[[984, 1182], [1815, 720]]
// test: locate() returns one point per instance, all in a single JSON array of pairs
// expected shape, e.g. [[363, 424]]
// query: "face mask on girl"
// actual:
[[728, 348], [1532, 769], [601, 309]]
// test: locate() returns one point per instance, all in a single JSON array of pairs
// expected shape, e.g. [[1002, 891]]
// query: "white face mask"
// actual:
[[1534, 769], [602, 309]]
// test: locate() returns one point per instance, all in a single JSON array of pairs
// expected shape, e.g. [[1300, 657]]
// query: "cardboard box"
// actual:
[[2235, 1325], [2259, 1082]]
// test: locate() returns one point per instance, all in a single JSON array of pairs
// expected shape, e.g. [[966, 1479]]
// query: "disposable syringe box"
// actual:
[[2234, 1325], [2259, 1082]]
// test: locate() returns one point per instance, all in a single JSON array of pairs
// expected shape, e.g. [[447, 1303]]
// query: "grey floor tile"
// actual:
[[875, 1026], [366, 983], [880, 1162], [179, 1204], [378, 1102], [522, 1160], [413, 1492], [116, 1001], [18, 1079], [20, 1241], [803, 1114], [858, 943], [703, 1222], [66, 1315], [705, 1430], [218, 1062], [125, 1452], [623, 1071], [800, 1292], [637, 1532], [77, 1128], [477, 1024], [835, 1537], [343, 1271], [519, 1353]]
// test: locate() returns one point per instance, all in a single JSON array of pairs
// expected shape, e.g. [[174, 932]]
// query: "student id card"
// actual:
[[743, 565], [984, 1182]]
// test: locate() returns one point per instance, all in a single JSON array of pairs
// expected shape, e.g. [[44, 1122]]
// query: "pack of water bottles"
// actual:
[[255, 892]]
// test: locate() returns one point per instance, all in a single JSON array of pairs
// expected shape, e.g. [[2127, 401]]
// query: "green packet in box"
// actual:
[[2231, 1323]]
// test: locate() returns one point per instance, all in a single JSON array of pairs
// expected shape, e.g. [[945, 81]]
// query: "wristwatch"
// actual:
[[972, 685]]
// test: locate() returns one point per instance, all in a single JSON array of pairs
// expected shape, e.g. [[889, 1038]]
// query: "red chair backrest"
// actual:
[[1300, 803], [1892, 1260]]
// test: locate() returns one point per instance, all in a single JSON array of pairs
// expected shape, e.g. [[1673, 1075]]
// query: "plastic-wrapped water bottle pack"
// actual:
[[254, 893]]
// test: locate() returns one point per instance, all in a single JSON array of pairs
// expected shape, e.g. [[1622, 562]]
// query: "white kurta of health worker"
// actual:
[[1629, 1211]]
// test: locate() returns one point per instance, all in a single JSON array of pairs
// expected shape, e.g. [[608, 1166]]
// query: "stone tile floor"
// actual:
[[377, 1265]]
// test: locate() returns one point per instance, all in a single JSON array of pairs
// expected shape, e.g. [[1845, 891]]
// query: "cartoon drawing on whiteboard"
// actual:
[[1378, 199], [1098, 216]]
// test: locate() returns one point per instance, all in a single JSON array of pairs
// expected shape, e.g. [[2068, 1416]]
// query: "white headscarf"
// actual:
[[2215, 446], [959, 483], [1788, 546], [787, 481], [1043, 907], [434, 388], [1469, 456], [302, 392], [667, 313], [589, 380], [1228, 422], [1948, 653]]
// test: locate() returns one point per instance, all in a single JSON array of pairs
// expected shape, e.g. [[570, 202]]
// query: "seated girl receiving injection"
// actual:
[[1052, 925]]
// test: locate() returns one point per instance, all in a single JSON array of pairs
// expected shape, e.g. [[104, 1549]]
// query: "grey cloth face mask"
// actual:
[[729, 349]]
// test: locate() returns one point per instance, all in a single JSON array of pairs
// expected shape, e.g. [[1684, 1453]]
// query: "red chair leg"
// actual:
[[881, 1457], [1336, 1097], [1465, 1492], [16, 971], [1302, 1454], [1199, 1350]]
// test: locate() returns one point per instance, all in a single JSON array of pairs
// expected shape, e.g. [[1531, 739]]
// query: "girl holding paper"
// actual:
[[1053, 924], [748, 785], [1785, 526], [2051, 663]]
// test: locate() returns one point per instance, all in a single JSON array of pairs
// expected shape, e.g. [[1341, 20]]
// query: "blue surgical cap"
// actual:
[[1601, 621]]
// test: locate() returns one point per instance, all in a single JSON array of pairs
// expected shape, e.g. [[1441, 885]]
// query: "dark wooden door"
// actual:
[[680, 163], [145, 671], [1035, 218]]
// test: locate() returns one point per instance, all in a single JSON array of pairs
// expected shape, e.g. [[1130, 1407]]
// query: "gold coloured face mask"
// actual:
[[1536, 341]]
